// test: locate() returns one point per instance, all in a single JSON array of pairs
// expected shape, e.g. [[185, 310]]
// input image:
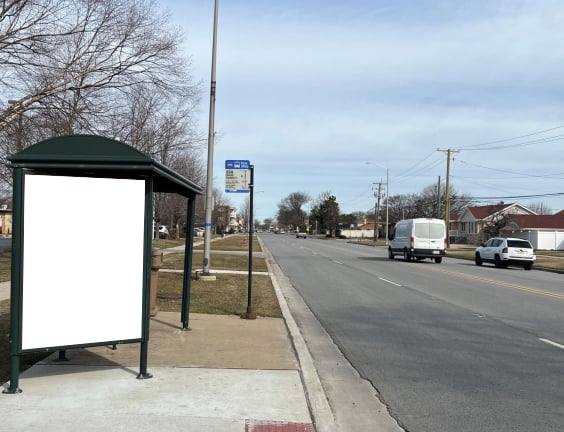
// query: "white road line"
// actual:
[[337, 262], [389, 281], [548, 341]]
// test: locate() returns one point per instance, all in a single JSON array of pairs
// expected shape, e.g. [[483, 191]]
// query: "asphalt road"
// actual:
[[448, 347]]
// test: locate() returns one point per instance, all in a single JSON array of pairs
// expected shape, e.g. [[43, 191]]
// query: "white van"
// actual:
[[419, 238]]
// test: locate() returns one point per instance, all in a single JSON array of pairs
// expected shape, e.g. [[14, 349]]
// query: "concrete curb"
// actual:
[[315, 395], [240, 272]]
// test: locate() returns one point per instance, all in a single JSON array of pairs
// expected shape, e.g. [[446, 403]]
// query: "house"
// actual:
[[5, 220], [226, 219], [543, 231], [478, 223]]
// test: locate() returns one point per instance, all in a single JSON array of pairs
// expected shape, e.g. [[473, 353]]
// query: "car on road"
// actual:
[[506, 251], [301, 234], [163, 232]]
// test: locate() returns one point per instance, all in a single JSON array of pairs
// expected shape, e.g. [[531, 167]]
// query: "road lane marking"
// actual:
[[389, 281], [337, 262], [470, 277], [548, 341], [500, 283]]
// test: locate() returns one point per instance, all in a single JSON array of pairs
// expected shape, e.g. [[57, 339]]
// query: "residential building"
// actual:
[[5, 220], [543, 231], [478, 223]]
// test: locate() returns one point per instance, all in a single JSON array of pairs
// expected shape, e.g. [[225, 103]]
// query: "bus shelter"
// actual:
[[81, 246]]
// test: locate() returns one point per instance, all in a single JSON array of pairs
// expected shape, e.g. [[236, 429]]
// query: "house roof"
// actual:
[[483, 212], [555, 221]]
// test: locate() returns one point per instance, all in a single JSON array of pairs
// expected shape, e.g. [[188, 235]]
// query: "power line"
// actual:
[[523, 144], [511, 172], [412, 172], [418, 163], [545, 195], [470, 147]]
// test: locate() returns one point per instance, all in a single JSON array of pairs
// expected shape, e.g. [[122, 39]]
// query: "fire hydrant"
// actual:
[[156, 264]]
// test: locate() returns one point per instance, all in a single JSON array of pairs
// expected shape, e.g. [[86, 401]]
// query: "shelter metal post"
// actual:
[[187, 281], [16, 286], [143, 374]]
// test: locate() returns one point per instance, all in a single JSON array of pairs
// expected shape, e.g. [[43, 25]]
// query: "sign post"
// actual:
[[237, 176], [240, 178]]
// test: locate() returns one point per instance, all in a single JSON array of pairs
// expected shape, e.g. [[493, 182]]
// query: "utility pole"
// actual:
[[377, 212], [439, 198], [447, 192], [387, 203]]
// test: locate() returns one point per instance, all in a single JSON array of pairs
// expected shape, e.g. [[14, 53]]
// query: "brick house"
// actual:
[[474, 224]]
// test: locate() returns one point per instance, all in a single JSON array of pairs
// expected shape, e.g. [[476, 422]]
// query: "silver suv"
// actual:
[[504, 251]]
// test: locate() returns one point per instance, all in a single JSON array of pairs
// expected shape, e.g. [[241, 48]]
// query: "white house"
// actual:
[[543, 231]]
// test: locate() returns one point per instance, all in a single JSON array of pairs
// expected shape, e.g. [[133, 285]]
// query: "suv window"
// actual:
[[496, 242], [524, 244]]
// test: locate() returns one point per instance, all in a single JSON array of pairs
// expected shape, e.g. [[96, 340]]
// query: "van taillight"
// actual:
[[505, 250], [445, 241], [411, 242]]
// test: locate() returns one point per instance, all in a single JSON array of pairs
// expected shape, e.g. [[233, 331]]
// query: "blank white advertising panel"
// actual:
[[82, 260]]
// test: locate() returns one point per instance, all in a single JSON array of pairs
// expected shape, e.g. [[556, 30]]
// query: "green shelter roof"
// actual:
[[92, 155]]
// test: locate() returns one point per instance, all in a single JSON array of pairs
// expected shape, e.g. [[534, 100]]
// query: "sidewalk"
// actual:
[[226, 374]]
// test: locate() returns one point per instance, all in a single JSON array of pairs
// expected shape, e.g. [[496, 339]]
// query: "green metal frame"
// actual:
[[95, 156]]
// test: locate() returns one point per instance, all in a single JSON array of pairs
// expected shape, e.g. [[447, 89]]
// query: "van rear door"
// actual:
[[429, 235]]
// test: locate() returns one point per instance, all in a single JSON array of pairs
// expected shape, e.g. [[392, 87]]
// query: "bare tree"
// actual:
[[79, 66], [428, 203], [494, 224], [245, 211], [540, 208], [221, 211]]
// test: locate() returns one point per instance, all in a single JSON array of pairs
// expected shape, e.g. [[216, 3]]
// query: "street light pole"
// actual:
[[211, 135]]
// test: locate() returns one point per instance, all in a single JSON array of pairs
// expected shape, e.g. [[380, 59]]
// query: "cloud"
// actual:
[[310, 91]]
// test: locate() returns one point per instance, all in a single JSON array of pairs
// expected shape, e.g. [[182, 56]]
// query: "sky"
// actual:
[[332, 96]]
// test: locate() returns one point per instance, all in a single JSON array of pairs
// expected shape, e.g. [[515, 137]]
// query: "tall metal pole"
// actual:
[[387, 200], [211, 134], [447, 198], [250, 312]]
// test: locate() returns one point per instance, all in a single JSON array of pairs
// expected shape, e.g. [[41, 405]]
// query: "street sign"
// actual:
[[237, 176]]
